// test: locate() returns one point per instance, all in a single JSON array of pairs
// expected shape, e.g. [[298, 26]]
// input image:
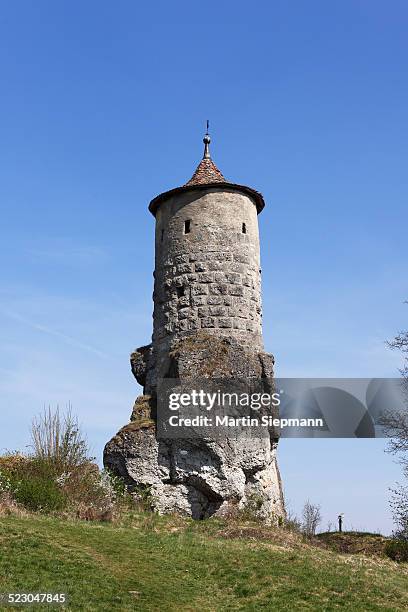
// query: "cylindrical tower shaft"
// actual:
[[207, 268]]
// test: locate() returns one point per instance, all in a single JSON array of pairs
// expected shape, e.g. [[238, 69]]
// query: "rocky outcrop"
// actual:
[[199, 477]]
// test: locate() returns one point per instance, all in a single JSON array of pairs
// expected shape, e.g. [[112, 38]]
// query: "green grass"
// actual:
[[169, 564]]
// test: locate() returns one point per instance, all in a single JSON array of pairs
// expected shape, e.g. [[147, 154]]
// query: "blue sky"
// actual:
[[103, 106]]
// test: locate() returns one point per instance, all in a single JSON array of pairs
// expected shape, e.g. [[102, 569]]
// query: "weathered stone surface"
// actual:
[[201, 477], [225, 261], [144, 409], [207, 323], [139, 360]]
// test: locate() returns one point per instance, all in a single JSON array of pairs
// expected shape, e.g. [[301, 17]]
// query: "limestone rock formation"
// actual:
[[199, 477]]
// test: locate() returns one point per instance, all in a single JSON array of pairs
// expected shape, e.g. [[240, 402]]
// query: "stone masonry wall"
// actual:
[[208, 277]]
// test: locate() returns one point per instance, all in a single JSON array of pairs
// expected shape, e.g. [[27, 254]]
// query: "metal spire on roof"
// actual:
[[206, 141], [206, 171]]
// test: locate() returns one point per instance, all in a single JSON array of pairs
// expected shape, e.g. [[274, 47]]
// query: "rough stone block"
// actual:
[[184, 268], [205, 277], [207, 322], [241, 258], [225, 256], [236, 290], [224, 322], [200, 267], [184, 313], [199, 289], [215, 300], [198, 300], [238, 268], [181, 259], [218, 289], [215, 265], [233, 277], [241, 310], [217, 311]]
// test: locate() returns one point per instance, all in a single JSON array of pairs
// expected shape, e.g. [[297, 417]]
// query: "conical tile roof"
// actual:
[[206, 172]]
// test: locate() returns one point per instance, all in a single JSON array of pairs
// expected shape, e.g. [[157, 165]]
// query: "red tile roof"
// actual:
[[207, 175], [206, 172]]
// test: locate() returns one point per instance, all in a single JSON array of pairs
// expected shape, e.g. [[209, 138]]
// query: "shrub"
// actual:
[[11, 462], [399, 507], [31, 483], [60, 475], [39, 493], [7, 490], [397, 550], [292, 523], [58, 440], [311, 518], [86, 486], [84, 491], [6, 484]]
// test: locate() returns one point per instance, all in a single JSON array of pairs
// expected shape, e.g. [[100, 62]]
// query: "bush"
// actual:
[[399, 507], [31, 483], [59, 440], [83, 491], [88, 487], [311, 518], [60, 475], [6, 484], [292, 523], [397, 550], [39, 493]]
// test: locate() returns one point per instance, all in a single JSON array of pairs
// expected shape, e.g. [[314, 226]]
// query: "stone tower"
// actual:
[[207, 322]]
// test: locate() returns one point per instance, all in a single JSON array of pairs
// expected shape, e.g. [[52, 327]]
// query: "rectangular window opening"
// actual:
[[187, 226], [244, 231], [181, 291], [162, 235]]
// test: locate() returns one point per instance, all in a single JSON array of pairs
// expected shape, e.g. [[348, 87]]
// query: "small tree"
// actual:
[[58, 440], [399, 508], [311, 518], [395, 425]]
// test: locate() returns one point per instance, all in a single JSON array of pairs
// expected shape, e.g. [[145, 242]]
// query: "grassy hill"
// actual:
[[167, 563]]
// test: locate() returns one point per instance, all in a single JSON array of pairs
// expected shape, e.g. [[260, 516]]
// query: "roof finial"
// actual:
[[206, 141]]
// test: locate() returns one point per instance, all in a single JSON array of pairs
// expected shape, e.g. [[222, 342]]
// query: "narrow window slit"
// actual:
[[162, 235], [244, 231], [187, 226]]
